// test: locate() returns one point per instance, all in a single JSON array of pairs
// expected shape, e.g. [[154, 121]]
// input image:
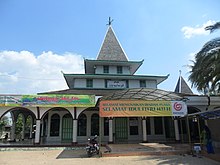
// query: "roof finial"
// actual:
[[180, 72], [109, 21]]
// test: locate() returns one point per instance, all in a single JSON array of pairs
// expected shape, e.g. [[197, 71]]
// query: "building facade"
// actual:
[[110, 73]]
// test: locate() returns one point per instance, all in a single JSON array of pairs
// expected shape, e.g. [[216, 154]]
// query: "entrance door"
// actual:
[[67, 128], [121, 130]]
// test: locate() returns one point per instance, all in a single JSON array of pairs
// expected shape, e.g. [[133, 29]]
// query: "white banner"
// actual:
[[116, 84], [179, 108]]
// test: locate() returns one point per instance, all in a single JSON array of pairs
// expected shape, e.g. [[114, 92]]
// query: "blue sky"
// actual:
[[41, 38]]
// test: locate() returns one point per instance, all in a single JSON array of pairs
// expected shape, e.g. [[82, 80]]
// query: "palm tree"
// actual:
[[205, 71]]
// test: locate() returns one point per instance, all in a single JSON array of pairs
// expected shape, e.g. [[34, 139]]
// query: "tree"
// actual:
[[205, 70]]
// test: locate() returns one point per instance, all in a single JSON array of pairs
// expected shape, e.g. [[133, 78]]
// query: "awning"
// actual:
[[207, 115], [143, 94]]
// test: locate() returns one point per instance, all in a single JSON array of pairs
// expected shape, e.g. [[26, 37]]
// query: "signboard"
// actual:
[[48, 100], [137, 108], [116, 84]]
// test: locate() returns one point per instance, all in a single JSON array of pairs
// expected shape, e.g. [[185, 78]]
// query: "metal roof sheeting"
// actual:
[[207, 115], [143, 94]]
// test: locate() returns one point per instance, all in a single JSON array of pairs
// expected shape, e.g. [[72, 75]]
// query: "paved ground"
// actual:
[[57, 156]]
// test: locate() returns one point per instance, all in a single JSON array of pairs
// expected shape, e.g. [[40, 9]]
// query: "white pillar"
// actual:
[[42, 131], [206, 122], [177, 134], [144, 130], [110, 140], [30, 133], [49, 124], [37, 133], [31, 129], [74, 141]]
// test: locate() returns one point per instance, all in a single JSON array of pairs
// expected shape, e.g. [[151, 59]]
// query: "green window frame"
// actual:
[[105, 69], [119, 70], [89, 83]]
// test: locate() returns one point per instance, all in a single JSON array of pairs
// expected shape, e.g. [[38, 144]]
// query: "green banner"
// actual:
[[48, 100]]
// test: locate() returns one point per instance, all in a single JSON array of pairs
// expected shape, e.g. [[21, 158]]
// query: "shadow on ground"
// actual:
[[69, 152]]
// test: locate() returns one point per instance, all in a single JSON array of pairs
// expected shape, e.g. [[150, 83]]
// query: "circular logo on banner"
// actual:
[[177, 106]]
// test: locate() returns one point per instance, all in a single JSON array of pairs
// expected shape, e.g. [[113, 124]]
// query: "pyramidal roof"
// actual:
[[111, 48], [182, 87]]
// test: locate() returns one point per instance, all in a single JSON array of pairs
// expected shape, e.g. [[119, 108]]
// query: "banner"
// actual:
[[48, 100], [137, 108]]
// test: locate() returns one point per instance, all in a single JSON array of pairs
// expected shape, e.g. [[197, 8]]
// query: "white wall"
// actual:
[[98, 83], [151, 84], [80, 83], [134, 83]]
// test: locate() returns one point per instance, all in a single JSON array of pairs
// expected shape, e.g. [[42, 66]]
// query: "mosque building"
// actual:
[[113, 102]]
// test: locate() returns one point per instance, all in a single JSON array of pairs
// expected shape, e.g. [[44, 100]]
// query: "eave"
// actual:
[[158, 79]]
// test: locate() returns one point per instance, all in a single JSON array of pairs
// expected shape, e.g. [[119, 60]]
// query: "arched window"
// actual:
[[55, 125], [82, 121], [95, 125]]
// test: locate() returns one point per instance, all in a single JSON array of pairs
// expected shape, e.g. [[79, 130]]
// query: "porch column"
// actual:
[[144, 127], [110, 140], [206, 122], [74, 141], [48, 125], [177, 134], [37, 133], [31, 129]]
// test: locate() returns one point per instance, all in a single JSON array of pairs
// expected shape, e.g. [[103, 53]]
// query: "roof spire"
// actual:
[[111, 48], [182, 86], [109, 21]]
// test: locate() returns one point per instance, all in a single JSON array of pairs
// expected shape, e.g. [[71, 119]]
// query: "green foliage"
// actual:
[[19, 125], [3, 122], [205, 70]]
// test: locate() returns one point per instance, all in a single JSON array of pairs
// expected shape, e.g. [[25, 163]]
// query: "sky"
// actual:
[[41, 39]]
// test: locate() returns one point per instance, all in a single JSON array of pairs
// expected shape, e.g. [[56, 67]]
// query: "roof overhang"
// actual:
[[158, 79]]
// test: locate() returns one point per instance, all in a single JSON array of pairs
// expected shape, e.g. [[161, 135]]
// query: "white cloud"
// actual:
[[190, 32], [25, 73]]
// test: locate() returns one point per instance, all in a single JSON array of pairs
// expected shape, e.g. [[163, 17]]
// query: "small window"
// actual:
[[105, 69], [143, 83], [106, 83], [127, 84], [119, 69], [89, 83]]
